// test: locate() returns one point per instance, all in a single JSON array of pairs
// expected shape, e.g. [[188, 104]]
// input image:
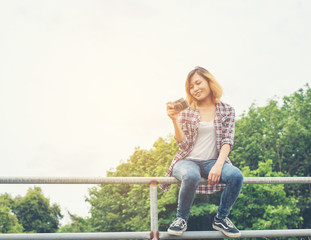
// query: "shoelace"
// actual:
[[229, 223], [178, 222]]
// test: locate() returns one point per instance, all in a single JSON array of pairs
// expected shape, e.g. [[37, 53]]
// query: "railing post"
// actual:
[[154, 233]]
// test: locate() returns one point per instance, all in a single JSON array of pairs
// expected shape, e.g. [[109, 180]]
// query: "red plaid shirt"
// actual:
[[189, 121]]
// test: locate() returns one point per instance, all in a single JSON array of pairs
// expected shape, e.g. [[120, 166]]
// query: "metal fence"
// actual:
[[154, 233]]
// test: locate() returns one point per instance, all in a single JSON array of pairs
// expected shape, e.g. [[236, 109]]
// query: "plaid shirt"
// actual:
[[189, 121]]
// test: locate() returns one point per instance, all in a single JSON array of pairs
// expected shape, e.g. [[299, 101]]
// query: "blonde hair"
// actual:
[[216, 90]]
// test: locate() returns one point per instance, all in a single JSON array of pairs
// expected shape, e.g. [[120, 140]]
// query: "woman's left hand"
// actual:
[[214, 174]]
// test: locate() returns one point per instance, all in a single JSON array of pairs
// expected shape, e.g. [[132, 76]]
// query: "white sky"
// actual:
[[82, 83]]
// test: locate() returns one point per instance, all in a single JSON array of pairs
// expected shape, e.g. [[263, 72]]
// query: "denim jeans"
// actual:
[[189, 172]]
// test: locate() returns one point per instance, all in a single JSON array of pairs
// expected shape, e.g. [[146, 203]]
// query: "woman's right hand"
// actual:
[[171, 112]]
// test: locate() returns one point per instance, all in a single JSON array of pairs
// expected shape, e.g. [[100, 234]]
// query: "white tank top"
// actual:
[[205, 145]]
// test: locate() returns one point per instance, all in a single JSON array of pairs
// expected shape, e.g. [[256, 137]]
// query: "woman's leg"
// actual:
[[233, 178], [188, 172]]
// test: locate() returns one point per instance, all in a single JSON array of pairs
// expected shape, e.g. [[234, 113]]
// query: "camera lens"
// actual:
[[178, 107]]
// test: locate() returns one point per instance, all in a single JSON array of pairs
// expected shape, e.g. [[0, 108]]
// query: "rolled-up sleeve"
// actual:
[[184, 144], [228, 126]]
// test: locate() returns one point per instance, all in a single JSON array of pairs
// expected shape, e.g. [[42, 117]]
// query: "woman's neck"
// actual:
[[206, 103], [207, 112]]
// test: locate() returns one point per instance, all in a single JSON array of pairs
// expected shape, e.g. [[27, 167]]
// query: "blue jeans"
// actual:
[[189, 172]]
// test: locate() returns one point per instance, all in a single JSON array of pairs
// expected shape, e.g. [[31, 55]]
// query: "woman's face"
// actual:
[[199, 88]]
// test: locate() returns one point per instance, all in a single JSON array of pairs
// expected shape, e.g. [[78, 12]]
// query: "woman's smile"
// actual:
[[198, 94]]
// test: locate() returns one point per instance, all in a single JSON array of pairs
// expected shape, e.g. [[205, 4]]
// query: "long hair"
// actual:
[[216, 90]]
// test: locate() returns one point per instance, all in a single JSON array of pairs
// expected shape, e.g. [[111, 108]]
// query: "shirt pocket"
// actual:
[[225, 121]]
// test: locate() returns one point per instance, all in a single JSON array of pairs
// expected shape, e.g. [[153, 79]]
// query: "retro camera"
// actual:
[[180, 105]]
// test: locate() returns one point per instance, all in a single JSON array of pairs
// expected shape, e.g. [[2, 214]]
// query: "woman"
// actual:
[[204, 133]]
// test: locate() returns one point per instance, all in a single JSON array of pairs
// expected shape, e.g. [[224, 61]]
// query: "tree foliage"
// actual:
[[278, 211], [8, 221], [126, 207], [35, 213], [30, 213], [282, 134]]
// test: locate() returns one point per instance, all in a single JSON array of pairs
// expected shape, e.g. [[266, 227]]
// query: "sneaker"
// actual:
[[226, 227], [178, 226]]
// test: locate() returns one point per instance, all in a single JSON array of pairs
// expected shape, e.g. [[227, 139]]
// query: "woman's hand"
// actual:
[[171, 112], [214, 174]]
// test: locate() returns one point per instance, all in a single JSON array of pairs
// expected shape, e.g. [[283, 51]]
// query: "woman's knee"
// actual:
[[191, 178], [187, 171], [237, 175], [234, 175]]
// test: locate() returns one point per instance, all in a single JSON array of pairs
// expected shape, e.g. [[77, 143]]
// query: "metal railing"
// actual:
[[154, 233]]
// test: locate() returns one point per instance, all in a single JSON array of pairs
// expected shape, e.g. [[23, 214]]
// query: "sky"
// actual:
[[82, 83]]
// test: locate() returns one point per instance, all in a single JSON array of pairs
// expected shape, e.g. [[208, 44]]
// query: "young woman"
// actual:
[[204, 133]]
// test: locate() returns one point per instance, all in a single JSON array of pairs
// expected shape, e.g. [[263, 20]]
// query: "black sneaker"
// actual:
[[178, 226], [226, 226]]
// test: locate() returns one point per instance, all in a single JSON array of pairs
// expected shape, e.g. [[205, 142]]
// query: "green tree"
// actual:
[[265, 206], [126, 207], [8, 221], [35, 213], [281, 132]]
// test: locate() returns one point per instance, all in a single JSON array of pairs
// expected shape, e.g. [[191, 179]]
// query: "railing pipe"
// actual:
[[154, 234], [76, 236], [244, 234]]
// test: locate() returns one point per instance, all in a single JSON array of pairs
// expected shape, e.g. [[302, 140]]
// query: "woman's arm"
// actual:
[[179, 135], [215, 173], [181, 130], [226, 146]]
